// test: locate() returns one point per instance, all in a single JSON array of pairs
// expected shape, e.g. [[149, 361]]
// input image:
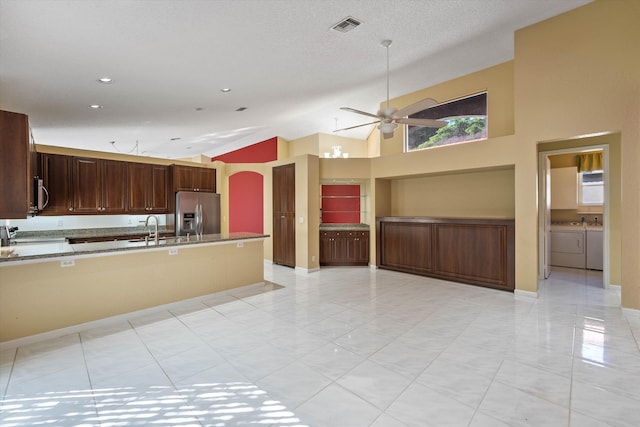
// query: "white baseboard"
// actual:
[[307, 270], [524, 295]]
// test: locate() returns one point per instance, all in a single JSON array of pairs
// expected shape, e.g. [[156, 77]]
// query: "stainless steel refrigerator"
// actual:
[[197, 213]]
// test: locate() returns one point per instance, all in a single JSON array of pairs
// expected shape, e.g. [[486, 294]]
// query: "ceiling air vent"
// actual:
[[347, 24]]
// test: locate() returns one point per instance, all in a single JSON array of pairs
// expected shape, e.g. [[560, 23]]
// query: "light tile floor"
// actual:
[[344, 347]]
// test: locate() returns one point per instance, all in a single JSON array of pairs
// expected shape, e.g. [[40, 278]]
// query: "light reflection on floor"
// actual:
[[215, 404]]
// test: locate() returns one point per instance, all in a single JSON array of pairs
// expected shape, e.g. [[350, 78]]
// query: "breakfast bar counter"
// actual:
[[52, 287]]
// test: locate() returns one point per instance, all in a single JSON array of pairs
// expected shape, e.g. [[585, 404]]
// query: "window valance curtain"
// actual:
[[589, 162]]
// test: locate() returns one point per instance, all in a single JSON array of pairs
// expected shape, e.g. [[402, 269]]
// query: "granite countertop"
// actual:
[[47, 249], [344, 227]]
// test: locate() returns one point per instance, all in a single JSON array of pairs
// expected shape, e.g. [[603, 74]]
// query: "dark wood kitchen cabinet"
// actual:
[[15, 174], [99, 186], [284, 215], [148, 188], [55, 171], [344, 247], [190, 178], [474, 251]]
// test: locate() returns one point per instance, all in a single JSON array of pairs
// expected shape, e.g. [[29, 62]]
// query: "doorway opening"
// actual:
[[573, 223]]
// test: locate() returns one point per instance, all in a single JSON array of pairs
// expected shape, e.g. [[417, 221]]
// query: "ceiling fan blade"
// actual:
[[357, 126], [416, 107], [428, 123], [364, 113]]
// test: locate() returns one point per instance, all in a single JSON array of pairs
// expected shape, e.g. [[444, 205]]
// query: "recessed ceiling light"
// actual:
[[95, 106], [105, 80], [225, 89]]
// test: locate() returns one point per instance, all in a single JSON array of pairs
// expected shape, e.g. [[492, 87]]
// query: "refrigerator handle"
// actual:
[[199, 219]]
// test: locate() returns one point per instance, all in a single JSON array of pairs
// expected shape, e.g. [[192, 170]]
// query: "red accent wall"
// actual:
[[341, 204], [262, 152], [246, 202]]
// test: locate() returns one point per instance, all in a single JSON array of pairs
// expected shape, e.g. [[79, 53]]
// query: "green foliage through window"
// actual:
[[467, 121], [458, 130]]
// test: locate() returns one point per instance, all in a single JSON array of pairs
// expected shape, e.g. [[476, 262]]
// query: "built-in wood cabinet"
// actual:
[[344, 247], [475, 251], [56, 171], [189, 178], [99, 186], [148, 188], [284, 215], [16, 177]]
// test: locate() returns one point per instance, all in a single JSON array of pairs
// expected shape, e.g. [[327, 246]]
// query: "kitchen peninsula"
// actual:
[[50, 286]]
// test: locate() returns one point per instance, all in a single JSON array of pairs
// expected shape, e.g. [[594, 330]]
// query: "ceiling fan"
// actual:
[[389, 117]]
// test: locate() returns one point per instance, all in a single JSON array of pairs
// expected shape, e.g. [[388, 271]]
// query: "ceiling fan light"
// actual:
[[387, 127]]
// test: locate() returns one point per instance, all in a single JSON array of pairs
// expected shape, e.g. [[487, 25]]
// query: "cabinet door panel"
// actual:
[[86, 181], [205, 179], [15, 172], [56, 170], [113, 186], [159, 195], [138, 182], [183, 178], [463, 250], [406, 246]]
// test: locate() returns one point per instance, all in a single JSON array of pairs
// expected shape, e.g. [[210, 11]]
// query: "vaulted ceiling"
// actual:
[[285, 66]]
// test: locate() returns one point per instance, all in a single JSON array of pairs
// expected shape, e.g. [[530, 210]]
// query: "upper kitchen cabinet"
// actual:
[[148, 188], [55, 171], [564, 188], [99, 186], [188, 178], [15, 174]]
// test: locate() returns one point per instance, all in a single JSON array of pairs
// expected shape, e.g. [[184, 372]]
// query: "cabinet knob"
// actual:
[[70, 209]]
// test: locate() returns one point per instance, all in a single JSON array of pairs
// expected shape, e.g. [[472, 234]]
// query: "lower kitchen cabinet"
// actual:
[[344, 247], [474, 251]]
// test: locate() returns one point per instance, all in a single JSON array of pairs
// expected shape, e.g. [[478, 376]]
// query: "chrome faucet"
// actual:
[[152, 234]]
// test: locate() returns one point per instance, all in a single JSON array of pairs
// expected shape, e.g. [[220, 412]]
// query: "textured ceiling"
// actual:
[[169, 59]]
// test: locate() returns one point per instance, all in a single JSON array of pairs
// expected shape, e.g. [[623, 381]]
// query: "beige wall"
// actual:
[[354, 147], [579, 74], [36, 298], [484, 194], [345, 168], [320, 143]]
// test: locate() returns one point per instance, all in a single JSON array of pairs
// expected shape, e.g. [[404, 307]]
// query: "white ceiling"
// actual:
[[279, 57]]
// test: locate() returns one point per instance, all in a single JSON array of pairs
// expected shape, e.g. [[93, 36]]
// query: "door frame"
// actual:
[[544, 189]]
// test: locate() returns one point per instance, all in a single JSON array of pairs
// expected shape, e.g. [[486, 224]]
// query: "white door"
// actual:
[[544, 215], [547, 217]]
